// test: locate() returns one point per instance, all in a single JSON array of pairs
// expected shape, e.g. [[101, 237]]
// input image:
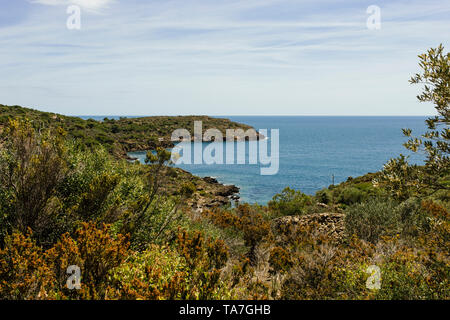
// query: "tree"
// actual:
[[158, 210], [32, 164], [435, 78]]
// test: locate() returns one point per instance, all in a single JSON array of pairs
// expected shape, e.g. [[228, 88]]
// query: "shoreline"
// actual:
[[210, 191]]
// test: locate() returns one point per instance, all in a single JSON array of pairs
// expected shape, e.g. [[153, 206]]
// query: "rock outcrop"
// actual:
[[210, 180], [210, 193]]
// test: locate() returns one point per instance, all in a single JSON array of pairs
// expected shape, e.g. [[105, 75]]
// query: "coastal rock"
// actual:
[[210, 180], [227, 191], [211, 193]]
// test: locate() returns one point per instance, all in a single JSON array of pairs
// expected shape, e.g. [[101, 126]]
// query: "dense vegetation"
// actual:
[[134, 235], [117, 136]]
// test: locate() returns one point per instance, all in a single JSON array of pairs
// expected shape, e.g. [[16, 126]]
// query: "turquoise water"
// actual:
[[312, 150]]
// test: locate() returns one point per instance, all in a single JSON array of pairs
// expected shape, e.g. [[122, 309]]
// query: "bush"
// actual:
[[254, 228], [32, 165], [289, 202], [29, 272], [323, 269], [24, 273], [324, 196], [157, 225], [414, 218], [372, 219], [351, 196], [189, 269], [279, 260], [158, 273]]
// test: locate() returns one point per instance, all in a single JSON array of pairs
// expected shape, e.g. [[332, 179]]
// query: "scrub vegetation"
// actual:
[[68, 197]]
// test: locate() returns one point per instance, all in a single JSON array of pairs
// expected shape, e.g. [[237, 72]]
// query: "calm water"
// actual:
[[312, 149]]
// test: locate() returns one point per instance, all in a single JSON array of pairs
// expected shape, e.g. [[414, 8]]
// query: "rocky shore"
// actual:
[[209, 192], [119, 137], [212, 194]]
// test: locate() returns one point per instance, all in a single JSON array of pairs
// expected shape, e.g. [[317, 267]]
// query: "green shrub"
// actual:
[[289, 202], [157, 273], [32, 165], [413, 218], [351, 196], [324, 196], [104, 139], [371, 219]]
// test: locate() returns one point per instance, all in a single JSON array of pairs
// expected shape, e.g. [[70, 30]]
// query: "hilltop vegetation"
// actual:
[[133, 233], [118, 136]]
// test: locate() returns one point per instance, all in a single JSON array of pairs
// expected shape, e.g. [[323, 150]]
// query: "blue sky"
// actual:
[[217, 57]]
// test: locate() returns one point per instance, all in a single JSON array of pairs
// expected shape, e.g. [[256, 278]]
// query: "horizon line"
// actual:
[[220, 115], [249, 115]]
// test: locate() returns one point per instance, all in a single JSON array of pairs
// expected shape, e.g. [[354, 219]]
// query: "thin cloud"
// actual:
[[89, 5], [221, 57]]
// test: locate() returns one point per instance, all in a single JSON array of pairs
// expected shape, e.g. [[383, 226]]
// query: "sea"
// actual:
[[314, 152]]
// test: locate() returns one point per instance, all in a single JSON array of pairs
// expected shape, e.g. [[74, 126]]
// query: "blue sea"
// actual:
[[313, 149]]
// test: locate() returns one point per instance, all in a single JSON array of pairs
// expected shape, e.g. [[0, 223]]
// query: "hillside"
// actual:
[[118, 136]]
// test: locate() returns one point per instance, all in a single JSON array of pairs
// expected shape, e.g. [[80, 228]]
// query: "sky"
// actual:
[[217, 57]]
